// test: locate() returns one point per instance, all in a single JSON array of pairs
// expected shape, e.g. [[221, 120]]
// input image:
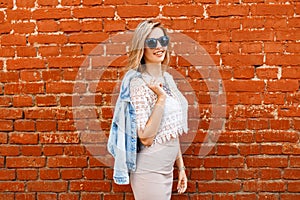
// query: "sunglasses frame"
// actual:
[[160, 40]]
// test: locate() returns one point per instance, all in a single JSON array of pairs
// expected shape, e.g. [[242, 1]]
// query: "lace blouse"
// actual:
[[144, 99]]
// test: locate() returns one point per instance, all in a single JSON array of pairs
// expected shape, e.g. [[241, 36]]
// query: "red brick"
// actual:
[[93, 2], [224, 186], [114, 25], [9, 77], [254, 124], [52, 150], [6, 4], [25, 63], [255, 35], [46, 196], [273, 47], [48, 51], [274, 161], [283, 86], [87, 196], [243, 72], [6, 28], [290, 73], [91, 186], [21, 162], [59, 138], [70, 62], [3, 138], [25, 3], [224, 162], [13, 40], [244, 86], [27, 174], [267, 73], [63, 87], [47, 39], [48, 2], [95, 12], [9, 150], [242, 60], [12, 186], [70, 2], [31, 151], [22, 101], [24, 125], [74, 150], [49, 174], [46, 100], [183, 10], [51, 13], [23, 138], [52, 75], [291, 174], [40, 113], [93, 174], [27, 196], [270, 174], [67, 162], [30, 76], [137, 11], [7, 52], [71, 50], [280, 124], [273, 59], [96, 37], [68, 196], [7, 196], [45, 186], [224, 10], [26, 88], [295, 161], [18, 14], [24, 27], [71, 174], [290, 196], [272, 10], [92, 25]]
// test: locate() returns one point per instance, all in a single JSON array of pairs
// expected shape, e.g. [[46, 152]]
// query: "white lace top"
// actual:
[[144, 99]]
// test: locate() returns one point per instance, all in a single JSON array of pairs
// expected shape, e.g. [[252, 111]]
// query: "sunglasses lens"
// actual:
[[164, 41], [151, 43]]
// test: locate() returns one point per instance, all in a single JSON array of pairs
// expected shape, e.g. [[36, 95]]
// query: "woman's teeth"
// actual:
[[159, 53]]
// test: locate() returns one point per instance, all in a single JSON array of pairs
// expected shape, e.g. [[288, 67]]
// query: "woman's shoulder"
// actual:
[[137, 82]]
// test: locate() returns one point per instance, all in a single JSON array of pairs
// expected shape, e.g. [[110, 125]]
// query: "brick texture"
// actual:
[[61, 62]]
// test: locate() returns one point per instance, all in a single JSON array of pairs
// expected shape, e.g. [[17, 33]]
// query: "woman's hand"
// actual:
[[157, 88], [182, 182]]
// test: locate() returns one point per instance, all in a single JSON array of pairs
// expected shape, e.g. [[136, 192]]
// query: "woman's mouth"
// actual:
[[159, 53]]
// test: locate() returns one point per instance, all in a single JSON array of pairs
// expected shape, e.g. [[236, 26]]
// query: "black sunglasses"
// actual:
[[152, 42]]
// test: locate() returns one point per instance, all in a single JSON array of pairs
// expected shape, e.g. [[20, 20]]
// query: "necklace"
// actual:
[[152, 75], [164, 85]]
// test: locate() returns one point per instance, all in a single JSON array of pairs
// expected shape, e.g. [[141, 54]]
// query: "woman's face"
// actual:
[[157, 54]]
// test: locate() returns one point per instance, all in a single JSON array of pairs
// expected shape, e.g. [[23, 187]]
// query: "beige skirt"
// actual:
[[153, 177]]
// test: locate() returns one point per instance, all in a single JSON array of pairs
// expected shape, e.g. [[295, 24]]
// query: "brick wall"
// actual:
[[56, 96]]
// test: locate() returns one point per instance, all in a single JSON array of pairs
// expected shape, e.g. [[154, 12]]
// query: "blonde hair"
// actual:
[[136, 51]]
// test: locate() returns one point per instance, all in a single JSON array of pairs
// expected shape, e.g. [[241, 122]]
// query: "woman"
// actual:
[[159, 116], [151, 108]]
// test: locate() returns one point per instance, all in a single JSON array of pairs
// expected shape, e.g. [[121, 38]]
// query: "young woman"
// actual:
[[151, 108]]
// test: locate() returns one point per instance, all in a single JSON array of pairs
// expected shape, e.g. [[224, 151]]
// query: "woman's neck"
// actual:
[[154, 70]]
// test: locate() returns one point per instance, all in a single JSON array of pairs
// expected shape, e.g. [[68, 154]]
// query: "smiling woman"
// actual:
[[153, 115]]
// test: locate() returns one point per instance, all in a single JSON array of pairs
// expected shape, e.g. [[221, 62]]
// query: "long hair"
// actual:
[[136, 50]]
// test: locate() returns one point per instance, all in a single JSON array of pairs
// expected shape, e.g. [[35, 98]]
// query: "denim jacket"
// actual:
[[122, 141]]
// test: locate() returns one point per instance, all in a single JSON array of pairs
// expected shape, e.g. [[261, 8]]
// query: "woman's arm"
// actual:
[[152, 126], [182, 179]]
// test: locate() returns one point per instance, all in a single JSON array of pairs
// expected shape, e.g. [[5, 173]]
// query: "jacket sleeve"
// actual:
[[116, 145]]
